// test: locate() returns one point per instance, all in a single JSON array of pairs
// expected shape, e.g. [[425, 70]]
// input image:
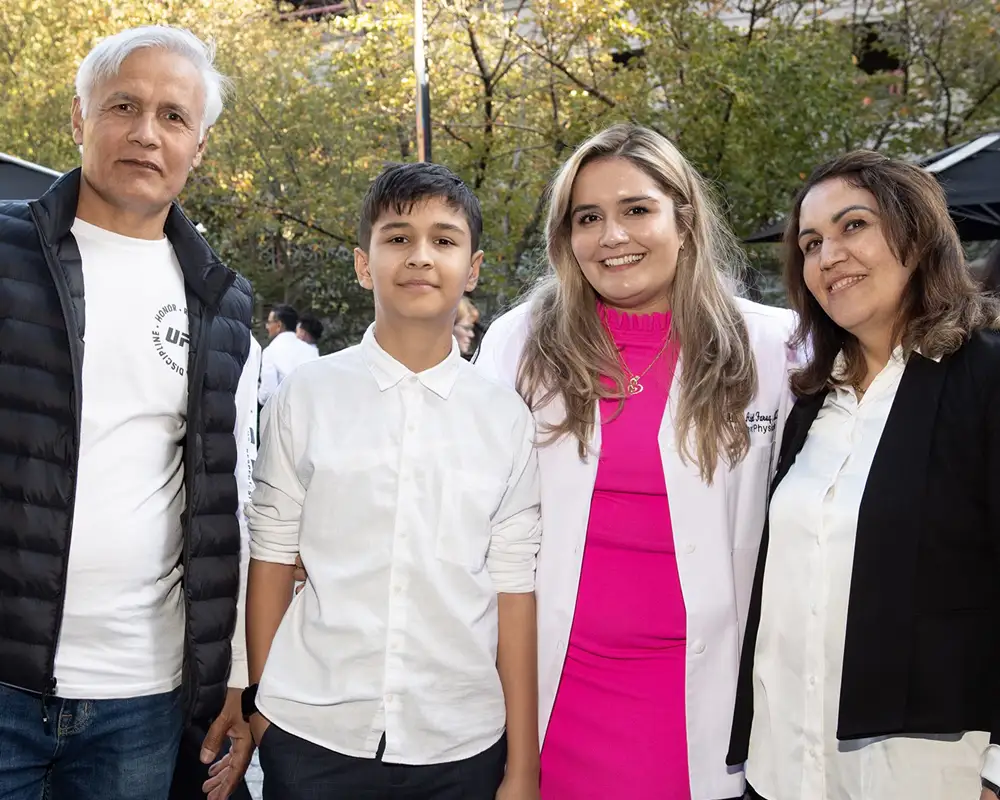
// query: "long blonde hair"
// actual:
[[568, 348]]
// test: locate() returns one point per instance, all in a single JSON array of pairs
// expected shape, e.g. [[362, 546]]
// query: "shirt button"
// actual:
[[812, 680], [390, 699], [698, 648], [398, 588], [689, 548]]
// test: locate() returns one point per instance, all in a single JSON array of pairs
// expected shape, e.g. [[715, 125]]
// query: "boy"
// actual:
[[408, 483]]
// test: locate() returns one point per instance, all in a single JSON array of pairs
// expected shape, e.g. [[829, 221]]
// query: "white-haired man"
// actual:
[[127, 405]]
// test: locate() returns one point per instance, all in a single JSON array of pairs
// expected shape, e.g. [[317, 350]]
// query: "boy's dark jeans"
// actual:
[[90, 749], [295, 769]]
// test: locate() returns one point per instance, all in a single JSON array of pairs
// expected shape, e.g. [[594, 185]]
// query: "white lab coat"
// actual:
[[716, 530]]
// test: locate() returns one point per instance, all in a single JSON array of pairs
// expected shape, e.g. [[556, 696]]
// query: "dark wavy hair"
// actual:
[[942, 303]]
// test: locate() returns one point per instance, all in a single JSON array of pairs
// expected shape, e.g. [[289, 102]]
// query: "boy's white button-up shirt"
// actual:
[[413, 500]]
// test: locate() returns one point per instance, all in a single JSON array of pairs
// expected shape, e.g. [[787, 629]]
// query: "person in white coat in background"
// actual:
[[285, 353], [659, 398]]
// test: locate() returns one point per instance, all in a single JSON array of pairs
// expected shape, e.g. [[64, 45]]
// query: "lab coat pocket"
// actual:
[[468, 503]]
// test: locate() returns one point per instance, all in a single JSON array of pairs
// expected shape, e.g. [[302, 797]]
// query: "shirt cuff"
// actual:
[[991, 764], [239, 676], [511, 578], [272, 552]]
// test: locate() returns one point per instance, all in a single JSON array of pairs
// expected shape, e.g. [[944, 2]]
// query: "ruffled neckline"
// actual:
[[625, 322]]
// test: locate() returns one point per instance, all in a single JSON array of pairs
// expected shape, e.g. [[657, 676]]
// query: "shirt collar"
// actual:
[[388, 372], [897, 359]]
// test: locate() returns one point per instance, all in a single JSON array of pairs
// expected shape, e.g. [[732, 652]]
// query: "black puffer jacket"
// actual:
[[41, 355]]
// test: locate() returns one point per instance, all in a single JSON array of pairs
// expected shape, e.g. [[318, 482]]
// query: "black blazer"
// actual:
[[922, 653]]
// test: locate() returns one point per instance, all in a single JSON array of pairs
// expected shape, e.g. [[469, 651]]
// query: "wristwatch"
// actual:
[[988, 784], [248, 701]]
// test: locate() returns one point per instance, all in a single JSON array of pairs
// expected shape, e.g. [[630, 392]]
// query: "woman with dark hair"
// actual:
[[870, 664]]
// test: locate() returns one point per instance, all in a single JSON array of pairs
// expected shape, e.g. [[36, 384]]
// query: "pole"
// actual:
[[423, 86]]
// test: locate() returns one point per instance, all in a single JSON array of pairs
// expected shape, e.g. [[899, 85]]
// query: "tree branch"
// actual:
[[496, 74], [448, 129], [945, 89], [530, 230], [593, 91], [487, 80], [980, 102], [477, 53], [279, 213], [274, 135], [756, 12]]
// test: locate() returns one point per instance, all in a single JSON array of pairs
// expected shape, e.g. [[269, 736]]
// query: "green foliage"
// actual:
[[754, 101]]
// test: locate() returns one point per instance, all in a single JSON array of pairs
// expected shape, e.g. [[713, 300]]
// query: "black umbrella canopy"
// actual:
[[970, 176], [772, 233], [22, 180]]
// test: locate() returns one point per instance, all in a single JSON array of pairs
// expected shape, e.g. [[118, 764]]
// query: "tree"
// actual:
[[321, 105]]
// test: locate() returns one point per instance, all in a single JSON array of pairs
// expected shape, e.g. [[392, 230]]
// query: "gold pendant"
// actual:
[[634, 387]]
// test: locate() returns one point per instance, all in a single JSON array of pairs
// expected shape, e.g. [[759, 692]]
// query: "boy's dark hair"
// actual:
[[311, 325], [400, 186], [286, 315]]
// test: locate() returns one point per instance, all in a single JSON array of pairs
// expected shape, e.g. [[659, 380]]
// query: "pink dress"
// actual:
[[617, 730]]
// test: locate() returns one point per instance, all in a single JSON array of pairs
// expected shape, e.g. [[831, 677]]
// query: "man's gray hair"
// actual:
[[108, 55]]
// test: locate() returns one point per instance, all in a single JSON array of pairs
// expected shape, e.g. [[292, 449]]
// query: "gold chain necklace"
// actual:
[[634, 387]]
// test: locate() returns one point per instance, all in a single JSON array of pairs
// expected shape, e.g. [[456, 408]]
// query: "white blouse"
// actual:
[[794, 752]]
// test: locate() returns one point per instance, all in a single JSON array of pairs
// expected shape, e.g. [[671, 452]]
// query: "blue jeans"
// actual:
[[90, 749]]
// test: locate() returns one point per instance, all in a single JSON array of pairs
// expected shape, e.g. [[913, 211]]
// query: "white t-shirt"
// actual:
[[123, 622]]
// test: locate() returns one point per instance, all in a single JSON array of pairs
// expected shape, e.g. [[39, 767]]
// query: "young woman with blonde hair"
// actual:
[[659, 397]]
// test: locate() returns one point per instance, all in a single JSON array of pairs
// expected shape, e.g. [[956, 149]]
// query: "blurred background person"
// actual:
[[465, 327], [869, 667], [285, 352], [310, 330], [281, 319]]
